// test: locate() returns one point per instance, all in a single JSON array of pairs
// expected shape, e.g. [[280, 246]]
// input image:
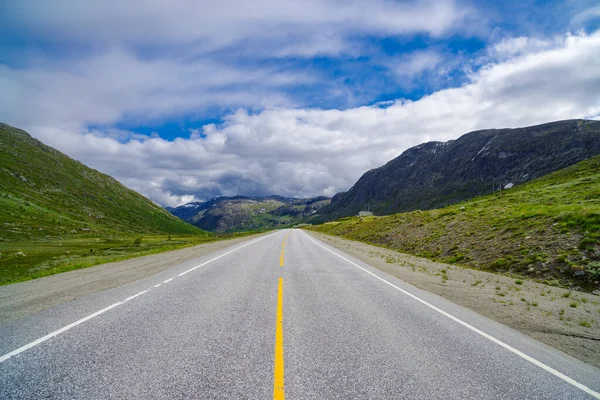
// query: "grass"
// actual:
[[548, 228], [48, 257], [585, 323], [45, 194]]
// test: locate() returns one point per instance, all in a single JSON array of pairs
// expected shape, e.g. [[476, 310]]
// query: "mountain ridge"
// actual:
[[435, 174], [236, 213]]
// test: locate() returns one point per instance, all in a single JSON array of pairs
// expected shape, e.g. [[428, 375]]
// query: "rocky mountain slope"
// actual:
[[45, 194], [228, 214], [548, 228], [436, 174]]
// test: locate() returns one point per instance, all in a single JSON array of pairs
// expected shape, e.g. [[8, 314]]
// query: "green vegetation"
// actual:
[[548, 228], [58, 215], [25, 260], [44, 193], [585, 323]]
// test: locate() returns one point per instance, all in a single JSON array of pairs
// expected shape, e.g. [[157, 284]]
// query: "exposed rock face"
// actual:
[[226, 214], [436, 174]]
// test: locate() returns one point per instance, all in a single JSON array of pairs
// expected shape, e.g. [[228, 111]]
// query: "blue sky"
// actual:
[[186, 100]]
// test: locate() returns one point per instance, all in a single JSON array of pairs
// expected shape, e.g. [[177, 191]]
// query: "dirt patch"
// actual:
[[568, 321], [26, 298]]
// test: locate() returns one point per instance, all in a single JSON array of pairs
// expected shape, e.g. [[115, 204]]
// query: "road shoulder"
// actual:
[[543, 312], [22, 299]]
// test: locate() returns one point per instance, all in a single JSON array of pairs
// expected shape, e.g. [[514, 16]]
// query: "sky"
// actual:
[[186, 100]]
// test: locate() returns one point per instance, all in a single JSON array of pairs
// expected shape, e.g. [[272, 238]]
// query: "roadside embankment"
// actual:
[[566, 320]]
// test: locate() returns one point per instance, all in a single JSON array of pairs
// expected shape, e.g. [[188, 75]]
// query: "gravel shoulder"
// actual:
[[568, 321], [19, 300]]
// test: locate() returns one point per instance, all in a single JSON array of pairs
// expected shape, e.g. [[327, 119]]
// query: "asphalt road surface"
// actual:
[[281, 316]]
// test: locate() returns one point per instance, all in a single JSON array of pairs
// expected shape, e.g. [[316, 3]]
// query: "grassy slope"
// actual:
[[548, 228], [44, 193], [62, 215]]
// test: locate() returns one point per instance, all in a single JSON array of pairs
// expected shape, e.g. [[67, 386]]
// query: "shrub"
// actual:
[[519, 282], [137, 242], [594, 270]]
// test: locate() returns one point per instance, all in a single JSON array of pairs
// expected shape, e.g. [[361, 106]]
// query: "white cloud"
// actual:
[[211, 25], [149, 60], [586, 15], [416, 63], [304, 152], [113, 85]]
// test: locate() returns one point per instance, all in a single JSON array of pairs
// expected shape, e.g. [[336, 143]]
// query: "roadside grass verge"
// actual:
[[25, 260]]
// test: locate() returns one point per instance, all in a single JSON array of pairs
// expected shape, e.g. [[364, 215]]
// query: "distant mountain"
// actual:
[[436, 174], [44, 193], [238, 213]]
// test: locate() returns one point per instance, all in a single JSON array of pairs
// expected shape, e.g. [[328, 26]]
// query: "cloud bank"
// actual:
[[249, 63]]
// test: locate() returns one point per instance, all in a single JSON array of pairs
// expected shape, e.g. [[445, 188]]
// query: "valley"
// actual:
[[242, 213]]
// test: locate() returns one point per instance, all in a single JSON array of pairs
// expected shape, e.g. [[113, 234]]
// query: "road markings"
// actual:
[[97, 313], [136, 295], [278, 381], [281, 258], [229, 252], [61, 330], [471, 327], [285, 240]]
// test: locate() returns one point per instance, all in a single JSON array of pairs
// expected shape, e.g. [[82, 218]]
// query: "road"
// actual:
[[279, 316]]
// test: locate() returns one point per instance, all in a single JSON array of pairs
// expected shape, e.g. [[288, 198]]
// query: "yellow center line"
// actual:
[[278, 383], [281, 258], [284, 240]]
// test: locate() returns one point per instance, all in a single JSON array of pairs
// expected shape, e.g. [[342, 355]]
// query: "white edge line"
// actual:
[[229, 252], [97, 313], [168, 280], [61, 330], [135, 295], [466, 325]]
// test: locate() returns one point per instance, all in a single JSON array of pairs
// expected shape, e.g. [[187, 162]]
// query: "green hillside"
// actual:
[[45, 193], [57, 214], [548, 228]]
